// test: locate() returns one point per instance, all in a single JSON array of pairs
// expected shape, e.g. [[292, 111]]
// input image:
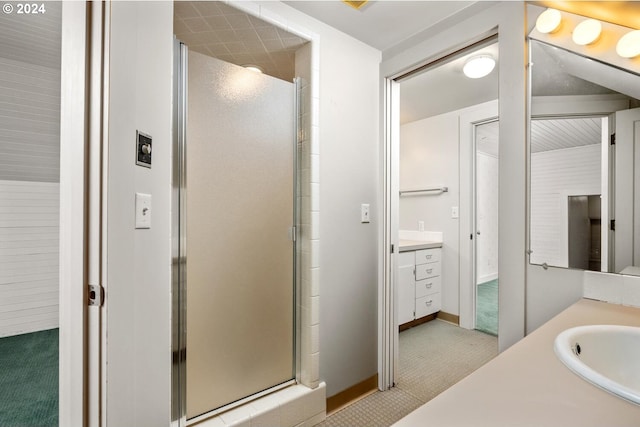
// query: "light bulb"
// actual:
[[548, 21], [587, 32], [629, 45]]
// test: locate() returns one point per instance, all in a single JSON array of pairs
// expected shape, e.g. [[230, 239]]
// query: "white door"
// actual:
[[627, 207]]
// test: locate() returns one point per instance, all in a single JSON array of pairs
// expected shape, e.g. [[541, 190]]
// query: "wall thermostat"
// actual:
[[143, 144]]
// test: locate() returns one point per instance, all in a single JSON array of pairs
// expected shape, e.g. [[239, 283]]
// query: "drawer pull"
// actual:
[[429, 271], [428, 285], [428, 303], [429, 256]]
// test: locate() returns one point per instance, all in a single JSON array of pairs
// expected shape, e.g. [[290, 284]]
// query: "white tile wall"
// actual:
[[612, 288]]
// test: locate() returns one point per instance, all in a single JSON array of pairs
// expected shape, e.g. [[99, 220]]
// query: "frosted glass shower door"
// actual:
[[239, 211]]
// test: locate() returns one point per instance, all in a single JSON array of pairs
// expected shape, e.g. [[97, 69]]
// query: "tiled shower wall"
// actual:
[[308, 248]]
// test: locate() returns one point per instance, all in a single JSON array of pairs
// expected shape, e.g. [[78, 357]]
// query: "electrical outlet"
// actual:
[[420, 225]]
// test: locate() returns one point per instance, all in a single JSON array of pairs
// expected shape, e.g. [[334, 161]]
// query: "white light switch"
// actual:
[[364, 212], [143, 210], [420, 226], [454, 212]]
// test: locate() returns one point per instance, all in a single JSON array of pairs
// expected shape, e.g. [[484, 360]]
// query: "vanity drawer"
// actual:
[[428, 286], [424, 271], [427, 255], [428, 305]]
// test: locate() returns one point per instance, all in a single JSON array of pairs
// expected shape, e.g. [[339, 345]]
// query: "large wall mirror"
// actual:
[[584, 161]]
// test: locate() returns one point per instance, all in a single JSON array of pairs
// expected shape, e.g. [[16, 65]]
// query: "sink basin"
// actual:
[[607, 356]]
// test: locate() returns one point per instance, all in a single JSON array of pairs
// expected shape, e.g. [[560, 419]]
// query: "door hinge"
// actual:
[[613, 139], [471, 236], [96, 295], [613, 225], [414, 272], [293, 233], [392, 248]]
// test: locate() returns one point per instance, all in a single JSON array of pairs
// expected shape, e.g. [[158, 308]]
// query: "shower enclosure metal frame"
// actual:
[[179, 250]]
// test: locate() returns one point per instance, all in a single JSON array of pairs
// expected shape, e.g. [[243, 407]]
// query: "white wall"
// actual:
[[138, 288], [429, 158], [29, 240], [555, 175], [139, 262]]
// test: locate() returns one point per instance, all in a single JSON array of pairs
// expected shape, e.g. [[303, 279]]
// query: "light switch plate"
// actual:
[[143, 210], [364, 213], [454, 212]]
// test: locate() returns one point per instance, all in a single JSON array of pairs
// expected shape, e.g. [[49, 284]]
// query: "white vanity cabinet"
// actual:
[[419, 284]]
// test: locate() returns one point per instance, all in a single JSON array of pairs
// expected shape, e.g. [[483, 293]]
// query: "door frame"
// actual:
[[81, 211], [508, 21], [388, 342], [486, 113]]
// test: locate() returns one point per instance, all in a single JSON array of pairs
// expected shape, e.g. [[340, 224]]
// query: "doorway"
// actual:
[[30, 112], [432, 175], [486, 227]]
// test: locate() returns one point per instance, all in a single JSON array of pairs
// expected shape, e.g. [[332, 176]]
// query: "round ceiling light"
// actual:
[[253, 68], [629, 45], [548, 21], [587, 32], [478, 66]]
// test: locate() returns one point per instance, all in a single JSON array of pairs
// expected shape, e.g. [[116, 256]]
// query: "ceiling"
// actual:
[[219, 30], [381, 24], [431, 92], [224, 32], [546, 134]]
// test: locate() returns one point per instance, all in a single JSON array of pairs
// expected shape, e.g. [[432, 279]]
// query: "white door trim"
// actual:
[[73, 201], [467, 125], [387, 304]]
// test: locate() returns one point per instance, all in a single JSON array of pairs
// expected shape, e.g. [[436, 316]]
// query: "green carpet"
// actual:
[[487, 307], [29, 380]]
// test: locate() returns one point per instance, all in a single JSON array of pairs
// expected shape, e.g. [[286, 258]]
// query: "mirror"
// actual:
[[583, 210]]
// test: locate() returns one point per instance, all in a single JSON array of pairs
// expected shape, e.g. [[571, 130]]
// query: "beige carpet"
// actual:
[[433, 357]]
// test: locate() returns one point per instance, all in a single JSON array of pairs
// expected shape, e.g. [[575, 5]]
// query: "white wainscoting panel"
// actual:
[[29, 239], [554, 176]]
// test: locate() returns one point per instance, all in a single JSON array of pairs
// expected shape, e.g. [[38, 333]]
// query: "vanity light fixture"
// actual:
[[254, 68], [587, 32], [478, 66], [549, 21], [629, 45]]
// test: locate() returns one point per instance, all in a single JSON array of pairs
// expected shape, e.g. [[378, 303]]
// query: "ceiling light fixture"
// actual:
[[549, 21], [355, 3], [478, 66], [587, 32], [629, 45], [253, 68]]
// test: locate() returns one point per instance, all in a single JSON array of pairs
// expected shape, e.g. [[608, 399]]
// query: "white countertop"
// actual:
[[415, 245], [527, 385]]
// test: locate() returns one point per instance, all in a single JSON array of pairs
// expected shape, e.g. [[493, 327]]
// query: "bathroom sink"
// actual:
[[607, 356]]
